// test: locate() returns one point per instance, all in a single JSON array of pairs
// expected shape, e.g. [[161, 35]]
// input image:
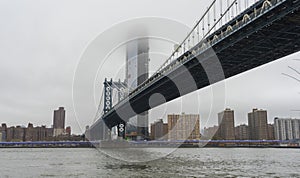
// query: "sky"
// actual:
[[43, 46]]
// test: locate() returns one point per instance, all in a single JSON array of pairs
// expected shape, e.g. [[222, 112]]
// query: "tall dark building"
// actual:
[[258, 125], [137, 71], [271, 132], [226, 124], [159, 130], [59, 121]]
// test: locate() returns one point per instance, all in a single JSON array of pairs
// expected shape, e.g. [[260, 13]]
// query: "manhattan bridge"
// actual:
[[237, 34]]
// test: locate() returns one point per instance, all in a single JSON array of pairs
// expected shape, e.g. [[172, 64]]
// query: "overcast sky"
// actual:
[[42, 44]]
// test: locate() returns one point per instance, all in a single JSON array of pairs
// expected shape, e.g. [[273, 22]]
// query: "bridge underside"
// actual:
[[272, 36]]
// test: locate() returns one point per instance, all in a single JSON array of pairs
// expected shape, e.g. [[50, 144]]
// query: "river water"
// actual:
[[184, 162]]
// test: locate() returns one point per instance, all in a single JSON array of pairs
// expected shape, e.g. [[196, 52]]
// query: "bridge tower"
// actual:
[[109, 87]]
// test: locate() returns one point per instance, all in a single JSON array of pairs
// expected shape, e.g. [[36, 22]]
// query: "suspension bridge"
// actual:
[[231, 37]]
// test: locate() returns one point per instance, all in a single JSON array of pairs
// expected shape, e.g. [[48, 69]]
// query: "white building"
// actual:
[[286, 128]]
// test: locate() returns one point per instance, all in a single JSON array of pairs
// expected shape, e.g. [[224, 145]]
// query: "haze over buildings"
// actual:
[[137, 71]]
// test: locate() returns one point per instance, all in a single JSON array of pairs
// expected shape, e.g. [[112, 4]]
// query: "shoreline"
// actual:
[[123, 145]]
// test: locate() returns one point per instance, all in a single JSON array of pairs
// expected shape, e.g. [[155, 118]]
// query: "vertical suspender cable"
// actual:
[[228, 16], [198, 33], [203, 26], [236, 8], [232, 12], [215, 14], [221, 12], [208, 21]]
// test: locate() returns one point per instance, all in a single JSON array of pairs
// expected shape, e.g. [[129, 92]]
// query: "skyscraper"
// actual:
[[226, 124], [59, 121], [137, 71], [184, 126], [286, 128], [258, 125]]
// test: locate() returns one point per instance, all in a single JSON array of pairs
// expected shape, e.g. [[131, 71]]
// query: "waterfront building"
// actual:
[[19, 133], [271, 132], [226, 124], [68, 130], [241, 132], [210, 132], [286, 128], [159, 130], [30, 133], [3, 129], [137, 71], [59, 121], [10, 133], [184, 126], [257, 122]]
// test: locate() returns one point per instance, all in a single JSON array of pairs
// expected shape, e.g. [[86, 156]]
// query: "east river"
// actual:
[[183, 162]]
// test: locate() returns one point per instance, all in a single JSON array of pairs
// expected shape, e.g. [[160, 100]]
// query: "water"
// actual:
[[184, 162]]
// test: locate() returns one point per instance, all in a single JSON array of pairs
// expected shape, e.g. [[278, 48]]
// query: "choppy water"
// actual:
[[185, 162]]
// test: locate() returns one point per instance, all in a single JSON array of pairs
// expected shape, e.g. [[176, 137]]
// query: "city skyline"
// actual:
[[44, 74], [143, 88]]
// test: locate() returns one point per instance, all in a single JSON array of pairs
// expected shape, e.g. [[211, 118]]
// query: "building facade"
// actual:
[[20, 134], [258, 124], [241, 132], [286, 128], [59, 121], [137, 71], [68, 130], [226, 124], [271, 132], [184, 127], [159, 130], [210, 132], [3, 129]]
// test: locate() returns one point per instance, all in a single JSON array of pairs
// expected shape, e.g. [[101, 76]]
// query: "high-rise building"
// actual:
[[258, 124], [286, 128], [59, 121], [242, 132], [159, 130], [226, 124], [184, 126], [137, 71]]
